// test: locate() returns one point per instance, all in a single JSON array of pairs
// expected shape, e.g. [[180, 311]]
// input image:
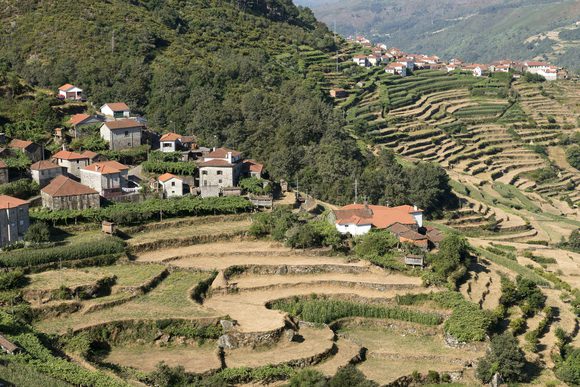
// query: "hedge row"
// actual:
[[152, 209], [175, 167], [78, 251]]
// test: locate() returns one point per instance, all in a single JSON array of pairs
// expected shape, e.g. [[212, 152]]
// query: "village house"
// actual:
[[171, 185], [63, 193], [4, 176], [374, 59], [220, 168], [14, 220], [73, 162], [33, 151], [338, 93], [361, 60], [108, 178], [44, 171], [9, 347], [122, 134], [173, 142], [116, 110], [78, 121], [71, 92], [252, 168], [396, 68]]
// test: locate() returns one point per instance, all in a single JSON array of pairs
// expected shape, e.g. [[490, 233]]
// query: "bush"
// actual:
[[573, 156], [12, 279], [518, 325], [182, 168], [350, 376], [38, 233], [451, 262], [375, 243], [569, 369], [22, 189], [256, 186], [313, 234], [308, 378], [504, 357], [77, 251]]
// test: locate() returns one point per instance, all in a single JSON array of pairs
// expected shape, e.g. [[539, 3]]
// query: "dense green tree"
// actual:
[[375, 244], [504, 357], [569, 369], [450, 262], [573, 156], [308, 378], [350, 376], [574, 240], [38, 232]]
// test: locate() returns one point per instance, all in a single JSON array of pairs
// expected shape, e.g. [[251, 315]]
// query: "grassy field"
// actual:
[[70, 278], [170, 299], [128, 275]]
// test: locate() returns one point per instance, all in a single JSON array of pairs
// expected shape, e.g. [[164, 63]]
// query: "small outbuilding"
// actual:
[[172, 185], [71, 92], [63, 193], [9, 347], [44, 171]]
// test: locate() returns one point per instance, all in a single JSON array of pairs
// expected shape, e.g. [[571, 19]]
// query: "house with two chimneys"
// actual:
[[405, 222]]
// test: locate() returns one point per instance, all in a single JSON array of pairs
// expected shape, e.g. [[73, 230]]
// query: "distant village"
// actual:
[[398, 62]]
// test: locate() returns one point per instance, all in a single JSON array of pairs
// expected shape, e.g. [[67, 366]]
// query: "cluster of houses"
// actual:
[[398, 62], [78, 180], [404, 222]]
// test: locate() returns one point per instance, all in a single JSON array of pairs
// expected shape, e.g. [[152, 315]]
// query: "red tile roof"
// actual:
[[117, 106], [20, 144], [253, 166], [123, 124], [536, 64], [10, 202], [43, 165], [170, 137], [68, 155], [64, 186], [66, 87], [216, 163], [222, 153], [106, 167], [378, 216], [166, 177], [78, 118], [90, 154]]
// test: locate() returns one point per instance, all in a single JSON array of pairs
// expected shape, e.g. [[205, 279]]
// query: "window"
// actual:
[[42, 173], [204, 172], [126, 133], [220, 181], [220, 172], [173, 184]]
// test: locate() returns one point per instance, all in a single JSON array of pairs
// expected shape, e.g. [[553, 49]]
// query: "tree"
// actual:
[[574, 240], [569, 370], [504, 357], [374, 244], [37, 233], [350, 376], [450, 263], [573, 156], [308, 378]]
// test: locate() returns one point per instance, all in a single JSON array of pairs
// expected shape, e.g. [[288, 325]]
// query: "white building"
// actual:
[[169, 142], [73, 162], [359, 219], [116, 110], [360, 60], [396, 68], [71, 92], [171, 185]]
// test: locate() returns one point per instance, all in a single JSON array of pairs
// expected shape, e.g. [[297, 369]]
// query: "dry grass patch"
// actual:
[[128, 275], [171, 299], [70, 278], [144, 357]]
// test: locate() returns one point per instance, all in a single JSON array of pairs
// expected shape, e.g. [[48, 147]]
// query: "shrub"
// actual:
[[375, 243], [256, 186], [569, 369], [504, 357], [573, 156], [22, 189], [77, 251], [12, 279], [350, 376], [518, 325], [468, 323], [38, 233], [308, 378]]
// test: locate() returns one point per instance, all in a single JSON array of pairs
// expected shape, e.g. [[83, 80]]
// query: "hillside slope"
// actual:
[[473, 30]]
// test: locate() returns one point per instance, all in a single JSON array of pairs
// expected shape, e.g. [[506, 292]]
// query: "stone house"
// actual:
[[221, 168], [106, 177], [63, 193], [4, 176], [31, 150], [171, 185], [73, 162], [116, 110], [253, 169], [173, 142], [122, 134], [44, 171], [14, 220], [78, 122]]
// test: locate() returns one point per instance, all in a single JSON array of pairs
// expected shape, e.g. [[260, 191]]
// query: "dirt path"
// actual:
[[346, 351]]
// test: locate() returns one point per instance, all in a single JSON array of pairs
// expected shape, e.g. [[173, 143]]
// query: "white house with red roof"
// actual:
[[361, 60], [71, 92], [108, 178], [116, 110], [171, 185], [220, 168], [14, 220], [359, 219], [253, 169], [396, 68]]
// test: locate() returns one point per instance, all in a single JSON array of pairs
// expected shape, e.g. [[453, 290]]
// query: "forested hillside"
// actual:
[[232, 73], [473, 30]]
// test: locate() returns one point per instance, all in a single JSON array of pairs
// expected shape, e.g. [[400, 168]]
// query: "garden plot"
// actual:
[[70, 278], [170, 299], [197, 359], [395, 350]]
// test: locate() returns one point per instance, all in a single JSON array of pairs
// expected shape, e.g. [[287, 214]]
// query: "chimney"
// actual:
[[415, 208], [230, 157]]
